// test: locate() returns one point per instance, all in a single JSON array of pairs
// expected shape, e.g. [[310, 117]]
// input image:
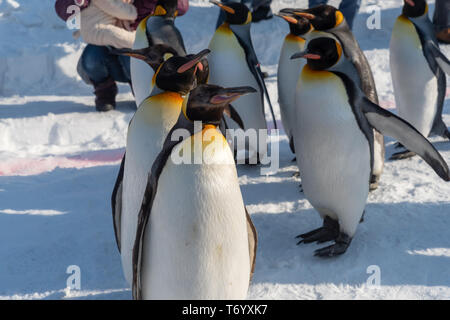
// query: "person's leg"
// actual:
[[101, 69], [313, 3], [441, 20], [349, 8]]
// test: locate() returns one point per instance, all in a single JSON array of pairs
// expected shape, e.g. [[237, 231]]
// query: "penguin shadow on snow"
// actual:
[[68, 223], [409, 242]]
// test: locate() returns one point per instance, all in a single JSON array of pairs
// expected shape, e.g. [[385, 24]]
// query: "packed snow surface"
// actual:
[[59, 159]]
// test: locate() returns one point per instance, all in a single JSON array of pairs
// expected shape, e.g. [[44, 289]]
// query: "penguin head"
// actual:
[[178, 74], [321, 53], [236, 13], [297, 25], [166, 8], [202, 74], [415, 8], [153, 55], [207, 102], [322, 17]]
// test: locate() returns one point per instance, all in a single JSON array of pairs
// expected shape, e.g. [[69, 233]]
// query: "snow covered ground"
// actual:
[[59, 159]]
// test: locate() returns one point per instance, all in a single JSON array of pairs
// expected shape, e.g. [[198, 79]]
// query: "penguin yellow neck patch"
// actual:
[[224, 28], [168, 98], [339, 18], [143, 24], [293, 38], [159, 11], [315, 75]]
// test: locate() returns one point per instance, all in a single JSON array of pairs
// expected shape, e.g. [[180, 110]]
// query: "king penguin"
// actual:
[[329, 21], [233, 62], [146, 134], [289, 70], [195, 237], [157, 28], [340, 123], [417, 69]]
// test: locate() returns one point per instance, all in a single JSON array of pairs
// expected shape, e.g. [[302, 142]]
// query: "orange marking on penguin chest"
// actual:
[[225, 29], [315, 75], [293, 38]]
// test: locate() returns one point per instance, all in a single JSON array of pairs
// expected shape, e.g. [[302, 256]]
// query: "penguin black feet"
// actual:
[[329, 231], [342, 243], [406, 154]]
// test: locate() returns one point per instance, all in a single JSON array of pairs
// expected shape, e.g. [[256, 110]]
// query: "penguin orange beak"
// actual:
[[230, 94], [287, 18], [306, 15], [223, 7], [194, 61], [306, 55], [410, 2]]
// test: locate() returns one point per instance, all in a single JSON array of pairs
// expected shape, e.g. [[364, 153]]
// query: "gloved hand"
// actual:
[[107, 23]]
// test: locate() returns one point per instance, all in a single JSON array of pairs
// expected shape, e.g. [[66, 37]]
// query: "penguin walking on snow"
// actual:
[[289, 70], [195, 238], [418, 72], [233, 62], [157, 28], [330, 22], [147, 131], [340, 123]]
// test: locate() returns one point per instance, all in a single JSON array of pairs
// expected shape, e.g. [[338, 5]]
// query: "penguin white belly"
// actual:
[[229, 68], [415, 85], [333, 154], [196, 244], [146, 134], [141, 72], [288, 73]]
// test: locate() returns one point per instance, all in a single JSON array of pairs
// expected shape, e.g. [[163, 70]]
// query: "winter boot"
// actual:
[[105, 95]]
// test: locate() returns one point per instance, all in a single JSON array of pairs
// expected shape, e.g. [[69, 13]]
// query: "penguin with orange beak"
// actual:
[[195, 238], [418, 70], [329, 21], [289, 70], [341, 123], [148, 128], [233, 62]]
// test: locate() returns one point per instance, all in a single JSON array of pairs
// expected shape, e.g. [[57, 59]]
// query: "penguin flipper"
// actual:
[[391, 125], [252, 242], [440, 58], [234, 115], [245, 41], [116, 202]]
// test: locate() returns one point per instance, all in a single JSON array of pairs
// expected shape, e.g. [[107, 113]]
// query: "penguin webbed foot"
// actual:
[[406, 154], [340, 247], [328, 232]]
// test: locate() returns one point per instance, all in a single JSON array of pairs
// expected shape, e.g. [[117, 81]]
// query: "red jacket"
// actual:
[[146, 7]]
